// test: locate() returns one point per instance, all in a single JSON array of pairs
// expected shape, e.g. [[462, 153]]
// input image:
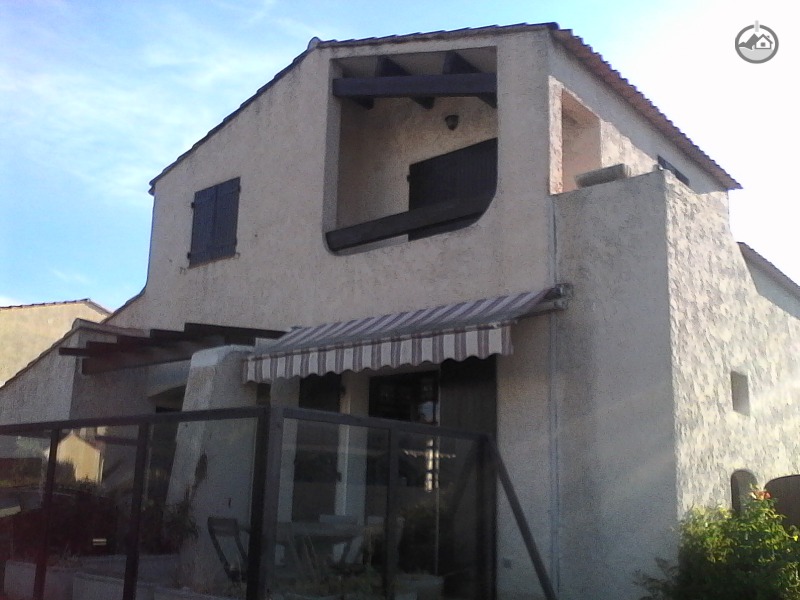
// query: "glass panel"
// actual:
[[331, 514], [91, 495], [332, 508], [440, 514], [91, 508], [23, 467], [196, 506]]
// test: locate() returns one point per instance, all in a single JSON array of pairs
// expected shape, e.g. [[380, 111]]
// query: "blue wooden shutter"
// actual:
[[202, 225], [466, 174], [226, 218]]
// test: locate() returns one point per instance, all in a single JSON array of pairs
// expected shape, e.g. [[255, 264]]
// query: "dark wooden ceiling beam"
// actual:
[[454, 63], [79, 352], [388, 68], [161, 346], [134, 340], [131, 360], [410, 86], [168, 334], [237, 335], [100, 348]]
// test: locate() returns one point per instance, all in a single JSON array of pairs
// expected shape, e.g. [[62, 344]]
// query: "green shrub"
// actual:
[[728, 556]]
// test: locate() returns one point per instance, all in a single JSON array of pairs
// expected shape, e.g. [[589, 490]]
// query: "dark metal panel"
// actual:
[[137, 491], [410, 86], [215, 414], [257, 503], [272, 495], [390, 528], [47, 504], [377, 423], [486, 501]]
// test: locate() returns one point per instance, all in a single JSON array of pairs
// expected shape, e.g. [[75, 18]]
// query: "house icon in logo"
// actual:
[[763, 42]]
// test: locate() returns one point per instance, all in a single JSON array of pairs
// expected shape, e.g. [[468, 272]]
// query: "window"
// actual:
[[216, 214], [580, 142]]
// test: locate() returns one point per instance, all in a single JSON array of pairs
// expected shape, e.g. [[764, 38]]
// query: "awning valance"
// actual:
[[453, 331]]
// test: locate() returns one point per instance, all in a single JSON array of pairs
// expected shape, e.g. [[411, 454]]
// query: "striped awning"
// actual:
[[452, 331]]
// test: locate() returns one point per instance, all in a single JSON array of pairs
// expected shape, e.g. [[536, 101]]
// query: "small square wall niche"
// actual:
[[740, 393]]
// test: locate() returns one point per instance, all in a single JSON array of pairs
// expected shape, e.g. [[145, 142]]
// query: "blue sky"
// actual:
[[97, 96]]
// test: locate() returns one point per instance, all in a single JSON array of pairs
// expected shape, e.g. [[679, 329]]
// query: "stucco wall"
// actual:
[[626, 136], [43, 392], [720, 323], [378, 145], [283, 275], [224, 451], [525, 440], [616, 463]]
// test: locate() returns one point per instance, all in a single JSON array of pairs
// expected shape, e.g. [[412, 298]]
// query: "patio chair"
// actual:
[[226, 535], [346, 551]]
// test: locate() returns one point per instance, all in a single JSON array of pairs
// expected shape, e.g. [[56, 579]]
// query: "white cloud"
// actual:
[[114, 122], [70, 276]]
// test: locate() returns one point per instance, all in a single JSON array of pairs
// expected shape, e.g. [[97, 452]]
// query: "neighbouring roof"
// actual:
[[28, 330], [574, 44], [86, 301]]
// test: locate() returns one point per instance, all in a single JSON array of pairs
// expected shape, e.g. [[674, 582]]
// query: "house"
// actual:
[[28, 330], [763, 42], [484, 230]]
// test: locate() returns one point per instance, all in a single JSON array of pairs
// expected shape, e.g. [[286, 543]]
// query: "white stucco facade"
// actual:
[[614, 416]]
